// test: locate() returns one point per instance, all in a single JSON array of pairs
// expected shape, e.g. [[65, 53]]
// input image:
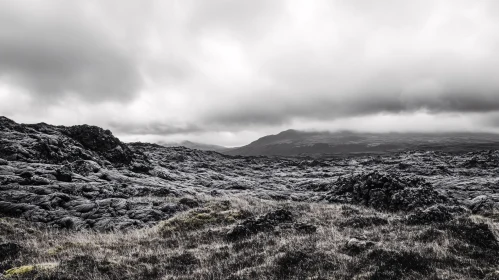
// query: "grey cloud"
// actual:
[[401, 12], [329, 88], [375, 97], [243, 115], [243, 18], [53, 56], [204, 61], [154, 128]]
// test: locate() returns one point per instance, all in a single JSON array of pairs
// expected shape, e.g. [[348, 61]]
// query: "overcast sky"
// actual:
[[229, 71]]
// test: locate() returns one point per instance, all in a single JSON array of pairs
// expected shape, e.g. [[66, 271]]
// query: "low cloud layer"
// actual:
[[227, 71]]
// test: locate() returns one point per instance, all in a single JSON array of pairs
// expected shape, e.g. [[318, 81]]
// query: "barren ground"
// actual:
[[76, 203]]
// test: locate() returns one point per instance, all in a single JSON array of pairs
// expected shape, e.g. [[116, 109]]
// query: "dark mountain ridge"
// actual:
[[319, 143], [194, 145]]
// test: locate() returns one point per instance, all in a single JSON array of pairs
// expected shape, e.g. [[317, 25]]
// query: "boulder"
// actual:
[[189, 202], [169, 208], [85, 167], [433, 214], [64, 174], [141, 167], [385, 192], [26, 174]]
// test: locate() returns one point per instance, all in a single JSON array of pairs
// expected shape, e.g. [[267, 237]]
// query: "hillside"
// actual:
[[77, 203], [194, 145], [294, 143]]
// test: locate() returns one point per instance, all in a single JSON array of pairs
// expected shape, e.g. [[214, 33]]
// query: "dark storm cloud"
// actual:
[[283, 113], [53, 55]]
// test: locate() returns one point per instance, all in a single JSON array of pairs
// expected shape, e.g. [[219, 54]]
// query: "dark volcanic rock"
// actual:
[[64, 174], [101, 141], [84, 177], [103, 210], [26, 174], [85, 167], [385, 192], [189, 202], [57, 144], [434, 214]]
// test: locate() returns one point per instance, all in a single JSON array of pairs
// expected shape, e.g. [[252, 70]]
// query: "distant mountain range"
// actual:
[[296, 143], [195, 145]]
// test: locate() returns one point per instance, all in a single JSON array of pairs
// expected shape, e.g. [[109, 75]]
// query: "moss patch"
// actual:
[[212, 214], [19, 271], [23, 271]]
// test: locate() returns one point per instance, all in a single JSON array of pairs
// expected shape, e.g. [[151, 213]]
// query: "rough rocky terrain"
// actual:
[[60, 184]]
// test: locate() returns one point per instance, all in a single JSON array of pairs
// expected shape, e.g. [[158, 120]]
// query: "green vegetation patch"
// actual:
[[25, 270], [19, 271], [213, 214]]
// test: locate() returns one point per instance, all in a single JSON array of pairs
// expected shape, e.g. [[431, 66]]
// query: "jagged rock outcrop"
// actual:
[[102, 142], [45, 143], [385, 192]]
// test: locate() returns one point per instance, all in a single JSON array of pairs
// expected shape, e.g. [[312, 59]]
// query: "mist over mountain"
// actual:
[[319, 143], [194, 145]]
